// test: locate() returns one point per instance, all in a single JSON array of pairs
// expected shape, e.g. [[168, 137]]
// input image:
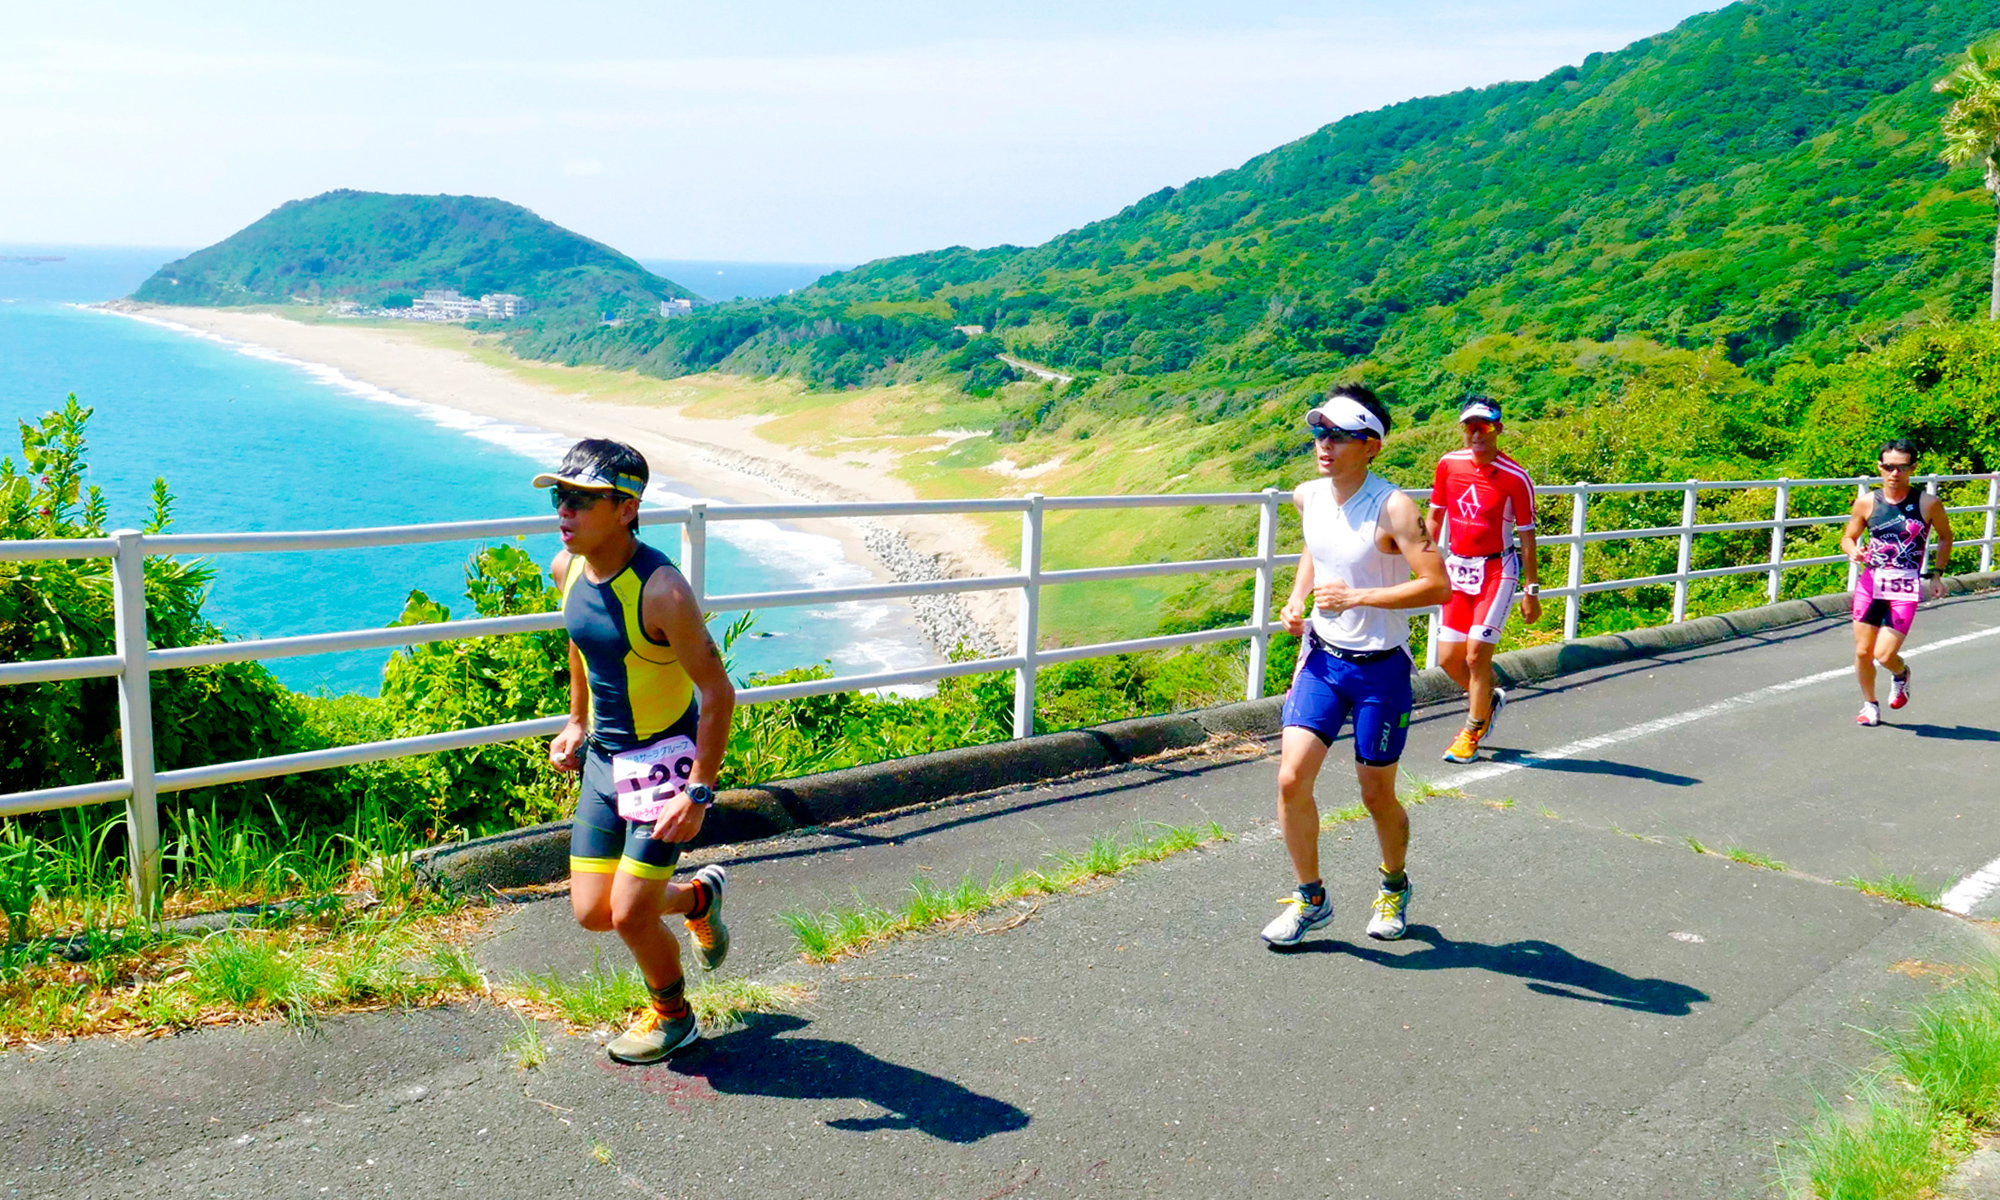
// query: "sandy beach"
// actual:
[[725, 460]]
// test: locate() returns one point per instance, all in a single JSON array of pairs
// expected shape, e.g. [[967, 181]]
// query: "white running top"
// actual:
[[1341, 539]]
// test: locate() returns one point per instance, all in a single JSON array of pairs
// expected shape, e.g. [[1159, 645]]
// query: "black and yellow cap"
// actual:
[[599, 463]]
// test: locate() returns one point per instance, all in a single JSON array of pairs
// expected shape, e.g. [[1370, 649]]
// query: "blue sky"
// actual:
[[778, 131]]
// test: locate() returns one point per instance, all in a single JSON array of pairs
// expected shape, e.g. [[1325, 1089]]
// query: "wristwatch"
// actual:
[[701, 794], [1534, 589]]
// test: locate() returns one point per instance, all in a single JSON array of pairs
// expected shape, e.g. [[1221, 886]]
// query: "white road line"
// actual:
[[1960, 898], [1662, 724], [1972, 889]]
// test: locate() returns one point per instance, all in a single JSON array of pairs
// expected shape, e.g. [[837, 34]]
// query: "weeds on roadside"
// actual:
[[526, 1047], [602, 999], [825, 936], [1905, 889], [1750, 858], [296, 971], [1904, 1140], [1341, 816], [1891, 1151]]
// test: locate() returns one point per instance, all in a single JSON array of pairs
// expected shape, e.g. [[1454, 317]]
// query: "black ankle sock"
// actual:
[[670, 1001], [1313, 893], [1394, 882]]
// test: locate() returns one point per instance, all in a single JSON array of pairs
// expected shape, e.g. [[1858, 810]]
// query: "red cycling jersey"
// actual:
[[1484, 505]]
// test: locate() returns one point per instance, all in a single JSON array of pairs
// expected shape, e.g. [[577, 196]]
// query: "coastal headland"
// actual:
[[727, 458]]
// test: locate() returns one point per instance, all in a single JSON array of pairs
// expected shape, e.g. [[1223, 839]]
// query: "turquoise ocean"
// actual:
[[249, 440]]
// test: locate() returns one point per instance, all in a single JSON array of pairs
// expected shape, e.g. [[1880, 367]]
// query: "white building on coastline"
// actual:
[[676, 308], [445, 304]]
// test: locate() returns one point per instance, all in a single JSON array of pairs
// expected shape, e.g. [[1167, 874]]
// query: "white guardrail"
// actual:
[[135, 660]]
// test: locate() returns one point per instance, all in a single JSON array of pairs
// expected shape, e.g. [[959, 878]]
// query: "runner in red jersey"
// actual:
[[1488, 503]]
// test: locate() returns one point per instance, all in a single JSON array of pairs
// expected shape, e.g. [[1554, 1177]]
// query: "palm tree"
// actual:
[[1972, 131]]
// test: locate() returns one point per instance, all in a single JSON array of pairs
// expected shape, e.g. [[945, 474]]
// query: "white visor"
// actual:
[[1345, 412]]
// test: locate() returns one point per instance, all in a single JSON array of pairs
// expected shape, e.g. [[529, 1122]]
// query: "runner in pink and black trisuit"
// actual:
[[1888, 532]]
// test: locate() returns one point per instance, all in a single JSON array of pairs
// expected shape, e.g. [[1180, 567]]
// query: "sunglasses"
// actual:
[[1327, 433], [1895, 467], [1477, 426], [574, 499]]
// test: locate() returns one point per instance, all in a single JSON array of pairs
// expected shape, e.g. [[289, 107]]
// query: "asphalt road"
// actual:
[[1585, 1007]]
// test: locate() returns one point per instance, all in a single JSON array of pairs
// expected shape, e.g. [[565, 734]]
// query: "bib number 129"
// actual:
[[646, 778]]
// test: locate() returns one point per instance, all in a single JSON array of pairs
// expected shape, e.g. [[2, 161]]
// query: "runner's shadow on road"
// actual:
[[755, 1061], [1593, 766], [1550, 970], [1950, 733]]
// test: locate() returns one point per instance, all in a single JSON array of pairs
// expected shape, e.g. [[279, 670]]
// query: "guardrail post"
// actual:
[[1992, 504], [1260, 605], [694, 536], [1579, 510], [135, 717], [1687, 552], [1031, 604], [1779, 510]]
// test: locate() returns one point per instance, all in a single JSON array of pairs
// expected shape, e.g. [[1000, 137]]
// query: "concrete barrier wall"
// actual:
[[540, 853]]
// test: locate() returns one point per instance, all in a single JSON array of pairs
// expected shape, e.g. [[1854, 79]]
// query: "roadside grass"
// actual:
[[1942, 1086], [526, 1047], [823, 937], [1341, 816], [1904, 889], [1750, 858], [68, 876], [317, 925], [1414, 790], [601, 999], [1890, 1151], [157, 983]]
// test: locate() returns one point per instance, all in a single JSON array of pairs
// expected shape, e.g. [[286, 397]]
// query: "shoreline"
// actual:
[[724, 460]]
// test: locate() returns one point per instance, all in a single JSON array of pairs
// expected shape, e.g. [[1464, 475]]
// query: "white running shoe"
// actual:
[[1298, 919], [1391, 913], [1493, 711], [1899, 689], [1870, 714]]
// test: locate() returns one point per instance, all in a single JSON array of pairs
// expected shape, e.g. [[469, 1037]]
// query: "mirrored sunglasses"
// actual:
[[574, 499]]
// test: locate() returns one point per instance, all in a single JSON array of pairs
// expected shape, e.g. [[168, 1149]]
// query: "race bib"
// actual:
[[648, 777], [1467, 574], [1898, 584]]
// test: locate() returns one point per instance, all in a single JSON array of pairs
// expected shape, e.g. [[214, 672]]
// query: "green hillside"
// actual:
[[371, 246], [1764, 178]]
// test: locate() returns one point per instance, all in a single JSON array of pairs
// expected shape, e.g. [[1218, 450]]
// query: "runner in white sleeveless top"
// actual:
[[1364, 540]]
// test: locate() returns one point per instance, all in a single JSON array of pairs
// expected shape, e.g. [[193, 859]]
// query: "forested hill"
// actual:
[[372, 246], [1765, 177]]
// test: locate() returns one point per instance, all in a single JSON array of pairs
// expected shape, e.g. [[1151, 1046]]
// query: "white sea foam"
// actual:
[[814, 560]]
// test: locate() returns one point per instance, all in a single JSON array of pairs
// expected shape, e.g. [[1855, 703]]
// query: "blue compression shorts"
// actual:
[[1326, 688]]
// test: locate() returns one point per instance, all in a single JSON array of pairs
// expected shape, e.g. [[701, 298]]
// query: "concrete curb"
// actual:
[[540, 853]]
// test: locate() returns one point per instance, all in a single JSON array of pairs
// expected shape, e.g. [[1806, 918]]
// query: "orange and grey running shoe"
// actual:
[[711, 936], [1464, 747], [653, 1037]]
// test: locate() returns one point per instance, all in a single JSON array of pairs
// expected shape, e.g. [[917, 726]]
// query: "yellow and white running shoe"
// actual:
[[1391, 913]]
